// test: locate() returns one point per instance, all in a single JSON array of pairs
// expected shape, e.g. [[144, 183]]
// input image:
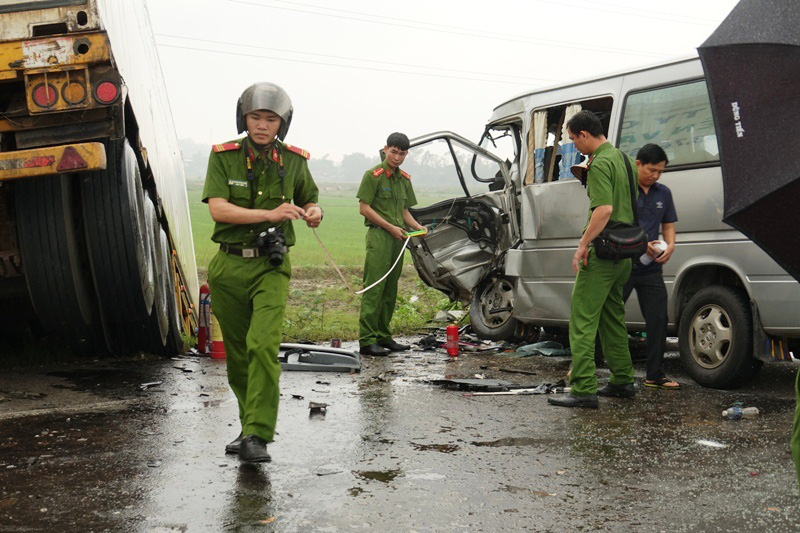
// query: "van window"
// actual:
[[678, 118], [550, 152], [446, 165]]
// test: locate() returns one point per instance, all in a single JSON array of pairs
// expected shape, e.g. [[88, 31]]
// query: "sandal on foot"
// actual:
[[662, 383]]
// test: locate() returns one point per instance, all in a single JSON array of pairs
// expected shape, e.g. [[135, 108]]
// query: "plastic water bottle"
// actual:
[[736, 412], [646, 258]]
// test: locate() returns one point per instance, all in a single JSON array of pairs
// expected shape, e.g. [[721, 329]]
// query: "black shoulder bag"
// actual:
[[619, 240]]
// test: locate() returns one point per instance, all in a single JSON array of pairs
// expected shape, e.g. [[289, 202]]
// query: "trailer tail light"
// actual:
[[74, 92], [44, 95], [106, 92]]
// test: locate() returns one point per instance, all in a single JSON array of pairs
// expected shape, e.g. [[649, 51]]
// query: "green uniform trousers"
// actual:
[[249, 300], [377, 304], [597, 306], [796, 432]]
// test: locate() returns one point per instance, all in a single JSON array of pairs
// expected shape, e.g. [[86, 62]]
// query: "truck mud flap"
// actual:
[[313, 358]]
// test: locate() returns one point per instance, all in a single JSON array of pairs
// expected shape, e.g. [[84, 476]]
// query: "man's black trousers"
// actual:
[[652, 296]]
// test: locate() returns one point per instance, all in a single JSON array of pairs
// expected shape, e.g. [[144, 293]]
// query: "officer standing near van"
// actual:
[[255, 187], [597, 304], [656, 209], [385, 195]]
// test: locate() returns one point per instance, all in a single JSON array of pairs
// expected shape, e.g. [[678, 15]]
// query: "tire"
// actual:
[[716, 338], [120, 244], [491, 309], [158, 326], [173, 342], [56, 264]]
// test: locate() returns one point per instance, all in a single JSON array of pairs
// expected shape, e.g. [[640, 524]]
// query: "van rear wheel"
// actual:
[[491, 308], [716, 338]]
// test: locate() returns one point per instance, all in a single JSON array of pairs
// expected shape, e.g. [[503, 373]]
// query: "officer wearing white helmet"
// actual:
[[255, 187]]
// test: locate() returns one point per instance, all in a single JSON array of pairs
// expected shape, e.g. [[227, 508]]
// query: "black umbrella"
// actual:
[[752, 66]]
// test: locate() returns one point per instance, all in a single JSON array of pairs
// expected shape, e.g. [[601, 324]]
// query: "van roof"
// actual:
[[513, 105]]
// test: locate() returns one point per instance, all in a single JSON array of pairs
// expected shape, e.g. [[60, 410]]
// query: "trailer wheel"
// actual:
[[491, 307], [159, 321], [716, 338], [118, 239], [55, 261], [174, 342]]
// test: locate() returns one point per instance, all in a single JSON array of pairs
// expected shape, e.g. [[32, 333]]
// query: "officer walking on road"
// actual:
[[255, 187], [384, 197]]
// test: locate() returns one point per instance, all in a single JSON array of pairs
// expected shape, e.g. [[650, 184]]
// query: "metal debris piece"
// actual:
[[316, 407], [145, 386], [297, 397], [711, 443], [183, 369]]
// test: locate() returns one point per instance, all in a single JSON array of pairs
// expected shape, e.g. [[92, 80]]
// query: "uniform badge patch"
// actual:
[[378, 172], [405, 174], [238, 183], [225, 147], [298, 151]]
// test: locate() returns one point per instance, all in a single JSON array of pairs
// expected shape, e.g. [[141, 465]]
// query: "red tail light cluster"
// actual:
[[45, 95], [106, 92]]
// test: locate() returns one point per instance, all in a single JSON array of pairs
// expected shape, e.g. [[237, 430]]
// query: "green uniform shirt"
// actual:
[[387, 192], [227, 178], [607, 183]]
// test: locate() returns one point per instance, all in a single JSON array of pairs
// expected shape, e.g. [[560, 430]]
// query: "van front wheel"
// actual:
[[491, 307], [716, 338]]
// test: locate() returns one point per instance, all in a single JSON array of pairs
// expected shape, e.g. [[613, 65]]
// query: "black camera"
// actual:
[[272, 244]]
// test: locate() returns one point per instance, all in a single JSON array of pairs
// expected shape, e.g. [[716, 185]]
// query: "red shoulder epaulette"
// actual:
[[406, 175], [378, 172], [298, 151], [225, 147]]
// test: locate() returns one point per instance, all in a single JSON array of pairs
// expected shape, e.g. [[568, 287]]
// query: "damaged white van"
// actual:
[[504, 244]]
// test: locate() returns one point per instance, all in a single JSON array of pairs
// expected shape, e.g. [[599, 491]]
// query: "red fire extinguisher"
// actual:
[[203, 322], [452, 340]]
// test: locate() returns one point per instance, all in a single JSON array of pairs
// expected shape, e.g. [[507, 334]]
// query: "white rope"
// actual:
[[402, 251], [331, 260]]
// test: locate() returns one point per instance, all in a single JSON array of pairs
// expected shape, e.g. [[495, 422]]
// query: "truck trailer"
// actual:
[[95, 236]]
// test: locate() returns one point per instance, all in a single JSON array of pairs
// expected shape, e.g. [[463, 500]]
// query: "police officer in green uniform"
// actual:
[[384, 197], [597, 304], [255, 187]]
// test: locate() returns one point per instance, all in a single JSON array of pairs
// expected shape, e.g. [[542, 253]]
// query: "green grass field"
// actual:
[[342, 230], [320, 307]]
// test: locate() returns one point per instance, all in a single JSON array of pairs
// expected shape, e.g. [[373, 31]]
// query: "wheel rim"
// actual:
[[711, 336], [497, 303]]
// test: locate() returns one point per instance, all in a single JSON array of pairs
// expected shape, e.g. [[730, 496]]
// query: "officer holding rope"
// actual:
[[255, 187], [385, 195]]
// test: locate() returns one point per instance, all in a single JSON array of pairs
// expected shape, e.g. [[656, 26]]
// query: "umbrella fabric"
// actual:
[[752, 66]]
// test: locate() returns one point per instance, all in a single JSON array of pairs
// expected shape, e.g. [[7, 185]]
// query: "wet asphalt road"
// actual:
[[83, 448]]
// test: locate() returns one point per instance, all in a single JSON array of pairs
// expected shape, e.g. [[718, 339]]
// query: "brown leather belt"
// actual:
[[241, 252]]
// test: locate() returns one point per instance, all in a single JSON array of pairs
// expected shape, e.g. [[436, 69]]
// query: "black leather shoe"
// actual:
[[254, 450], [620, 391], [394, 346], [233, 446], [568, 400], [374, 349]]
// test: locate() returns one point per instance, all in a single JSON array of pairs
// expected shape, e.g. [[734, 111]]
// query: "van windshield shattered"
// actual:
[[500, 142]]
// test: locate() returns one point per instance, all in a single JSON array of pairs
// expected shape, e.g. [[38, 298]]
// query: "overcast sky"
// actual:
[[357, 70]]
